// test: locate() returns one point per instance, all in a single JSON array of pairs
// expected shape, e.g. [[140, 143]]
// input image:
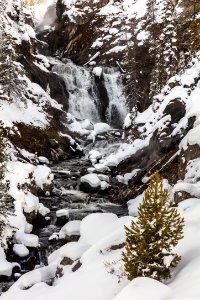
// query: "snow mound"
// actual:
[[96, 223], [143, 289], [20, 250], [69, 229], [28, 240]]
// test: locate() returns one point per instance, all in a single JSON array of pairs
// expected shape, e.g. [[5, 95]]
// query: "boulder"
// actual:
[[90, 183]]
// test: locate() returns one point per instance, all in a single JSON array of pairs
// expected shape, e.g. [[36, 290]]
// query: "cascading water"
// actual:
[[116, 111], [85, 99], [82, 99]]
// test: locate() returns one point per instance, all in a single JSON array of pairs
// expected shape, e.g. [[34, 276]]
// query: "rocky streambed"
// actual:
[[68, 201]]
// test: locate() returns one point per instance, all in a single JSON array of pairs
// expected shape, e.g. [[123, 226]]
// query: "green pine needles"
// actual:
[[150, 240]]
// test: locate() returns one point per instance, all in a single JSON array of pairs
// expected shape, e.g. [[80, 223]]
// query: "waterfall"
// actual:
[[117, 110], [85, 98], [82, 99]]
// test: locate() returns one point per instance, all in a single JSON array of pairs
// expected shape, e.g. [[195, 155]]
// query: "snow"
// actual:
[[92, 180], [97, 223], [133, 205], [20, 250], [5, 266], [69, 229], [101, 168], [101, 128], [42, 176], [27, 239], [97, 71], [73, 250], [104, 185], [101, 273], [20, 177], [143, 289], [94, 154], [62, 213]]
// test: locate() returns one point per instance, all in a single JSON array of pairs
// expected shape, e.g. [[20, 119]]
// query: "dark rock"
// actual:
[[61, 221], [31, 263], [76, 266], [37, 220], [53, 143], [87, 188], [176, 109], [66, 261], [181, 196]]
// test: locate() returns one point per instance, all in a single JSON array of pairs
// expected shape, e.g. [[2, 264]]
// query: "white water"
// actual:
[[83, 100], [117, 110]]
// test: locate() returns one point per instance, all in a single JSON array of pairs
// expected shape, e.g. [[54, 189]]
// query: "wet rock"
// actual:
[[37, 220]]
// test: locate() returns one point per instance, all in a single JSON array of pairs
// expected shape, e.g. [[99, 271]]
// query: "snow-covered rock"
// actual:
[[90, 183], [28, 240], [20, 250], [143, 289], [69, 229], [96, 223], [101, 128], [72, 250], [94, 154]]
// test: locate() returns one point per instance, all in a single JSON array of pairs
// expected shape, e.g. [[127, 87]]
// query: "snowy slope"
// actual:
[[100, 275]]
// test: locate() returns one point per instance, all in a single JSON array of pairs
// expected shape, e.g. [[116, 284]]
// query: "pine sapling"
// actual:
[[150, 240]]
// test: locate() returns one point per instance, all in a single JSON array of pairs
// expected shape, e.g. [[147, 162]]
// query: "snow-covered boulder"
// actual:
[[112, 161], [72, 250], [144, 289], [133, 205], [20, 250], [104, 185], [96, 226], [62, 216], [101, 128], [72, 228], [28, 240], [94, 154], [101, 168], [86, 124], [90, 183], [97, 71]]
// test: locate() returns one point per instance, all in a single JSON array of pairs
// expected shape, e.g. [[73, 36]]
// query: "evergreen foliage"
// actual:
[[150, 239], [165, 49]]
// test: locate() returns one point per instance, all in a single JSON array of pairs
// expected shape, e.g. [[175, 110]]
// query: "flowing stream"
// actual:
[[98, 97]]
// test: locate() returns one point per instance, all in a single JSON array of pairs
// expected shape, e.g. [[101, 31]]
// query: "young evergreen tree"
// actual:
[[150, 239]]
